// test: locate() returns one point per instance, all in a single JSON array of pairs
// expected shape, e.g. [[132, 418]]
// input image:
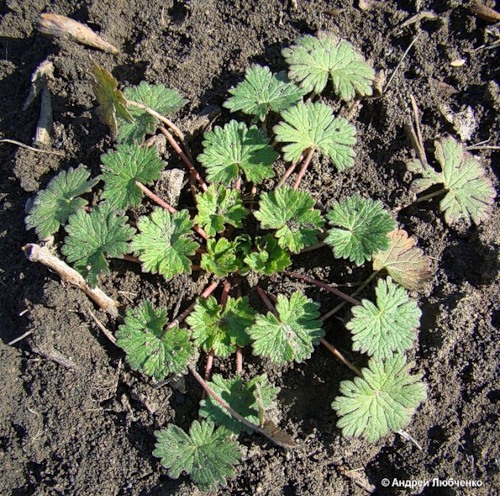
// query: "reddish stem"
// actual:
[[303, 169], [225, 293], [182, 317], [336, 353], [288, 173], [131, 258], [166, 206], [239, 360], [263, 296], [208, 371], [324, 286], [185, 159]]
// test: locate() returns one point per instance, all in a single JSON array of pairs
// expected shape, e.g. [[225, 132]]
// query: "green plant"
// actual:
[[224, 234]]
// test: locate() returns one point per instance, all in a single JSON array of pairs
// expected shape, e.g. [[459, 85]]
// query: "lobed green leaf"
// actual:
[[382, 400], [94, 236], [164, 243], [312, 126], [53, 205], [235, 150], [292, 334], [269, 258], [207, 454], [361, 228]]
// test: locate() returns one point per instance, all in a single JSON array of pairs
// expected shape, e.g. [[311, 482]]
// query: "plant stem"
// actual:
[[288, 173], [166, 206], [189, 164], [363, 285], [323, 285], [208, 371], [239, 360], [430, 195], [316, 246], [263, 296], [182, 317], [234, 413], [130, 258], [336, 353], [160, 117], [303, 169], [226, 287]]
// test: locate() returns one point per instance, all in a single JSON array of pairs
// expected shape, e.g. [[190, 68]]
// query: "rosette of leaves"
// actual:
[[219, 206], [157, 97], [269, 258], [150, 348], [313, 60], [250, 399], [224, 257], [291, 213], [262, 92], [164, 243], [206, 453], [53, 205], [123, 168], [312, 126], [387, 327], [221, 329], [360, 228], [382, 400], [291, 334], [94, 236], [469, 194], [236, 150]]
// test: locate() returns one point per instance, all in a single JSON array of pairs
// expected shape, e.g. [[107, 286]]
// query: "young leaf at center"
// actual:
[[292, 334], [223, 256], [269, 257], [207, 454], [361, 228], [291, 213], [383, 400], [151, 349], [221, 329], [94, 236], [234, 150], [242, 397], [262, 91], [125, 166], [313, 59], [165, 242], [388, 326], [53, 205], [312, 126], [219, 206]]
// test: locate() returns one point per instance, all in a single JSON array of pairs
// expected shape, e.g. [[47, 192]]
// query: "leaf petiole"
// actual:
[[303, 169]]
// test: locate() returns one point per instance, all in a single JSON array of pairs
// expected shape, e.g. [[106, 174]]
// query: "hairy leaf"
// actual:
[[219, 206], [112, 103], [470, 194], [218, 329], [165, 243], [263, 91], [155, 96], [149, 348], [242, 396], [313, 126], [236, 149], [383, 400], [389, 326], [208, 455], [404, 262], [313, 60], [222, 257], [291, 213], [291, 335], [361, 228], [125, 166], [53, 205], [269, 257], [93, 237]]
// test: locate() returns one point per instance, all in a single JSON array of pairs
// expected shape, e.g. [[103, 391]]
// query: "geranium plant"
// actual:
[[211, 234]]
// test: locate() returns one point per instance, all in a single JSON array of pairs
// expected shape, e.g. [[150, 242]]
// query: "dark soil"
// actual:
[[86, 428]]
